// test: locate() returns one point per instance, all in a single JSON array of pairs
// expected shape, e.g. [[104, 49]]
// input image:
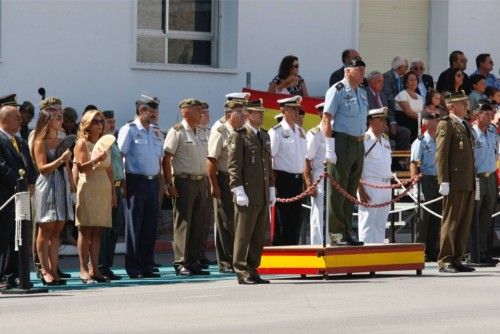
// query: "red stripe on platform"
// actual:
[[308, 103], [347, 250], [288, 271]]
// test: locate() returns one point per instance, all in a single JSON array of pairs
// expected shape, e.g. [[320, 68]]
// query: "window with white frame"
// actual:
[[177, 32]]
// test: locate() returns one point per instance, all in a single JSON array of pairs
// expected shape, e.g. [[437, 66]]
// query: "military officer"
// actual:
[[455, 173], [315, 159], [251, 180], [218, 176], [184, 169], [423, 151], [376, 169], [288, 149], [140, 142], [485, 154], [346, 103]]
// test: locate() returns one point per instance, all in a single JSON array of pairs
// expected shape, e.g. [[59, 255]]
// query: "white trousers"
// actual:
[[371, 221], [316, 217]]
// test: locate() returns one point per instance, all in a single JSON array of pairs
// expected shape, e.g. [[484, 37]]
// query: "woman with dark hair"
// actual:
[[457, 80], [434, 103], [409, 104], [95, 195], [288, 81], [53, 189]]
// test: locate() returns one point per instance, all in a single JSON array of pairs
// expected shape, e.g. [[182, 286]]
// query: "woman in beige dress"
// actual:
[[95, 195]]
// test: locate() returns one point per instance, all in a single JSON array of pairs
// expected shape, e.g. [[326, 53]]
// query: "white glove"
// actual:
[[73, 198], [444, 188], [330, 155], [272, 196], [241, 197], [415, 192]]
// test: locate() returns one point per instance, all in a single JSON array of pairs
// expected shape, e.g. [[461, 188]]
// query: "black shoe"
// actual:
[[61, 282], [111, 276], [156, 270], [351, 242], [463, 268], [182, 271], [488, 260], [260, 280], [150, 275], [207, 262], [448, 269], [247, 281], [226, 270], [200, 265], [134, 276], [101, 279], [62, 275], [199, 272]]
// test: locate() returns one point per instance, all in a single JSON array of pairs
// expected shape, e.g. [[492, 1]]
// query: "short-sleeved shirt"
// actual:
[[316, 150], [141, 147], [423, 149], [117, 162], [217, 145], [491, 80], [377, 163], [348, 107], [288, 148], [417, 105], [485, 149], [189, 149], [297, 90]]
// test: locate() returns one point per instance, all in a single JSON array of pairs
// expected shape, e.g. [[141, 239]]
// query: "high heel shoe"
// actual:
[[89, 280], [44, 282]]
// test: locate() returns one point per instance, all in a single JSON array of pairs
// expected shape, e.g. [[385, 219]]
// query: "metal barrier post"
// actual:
[[393, 228]]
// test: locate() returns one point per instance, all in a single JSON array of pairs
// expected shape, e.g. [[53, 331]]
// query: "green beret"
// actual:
[[50, 102], [186, 103]]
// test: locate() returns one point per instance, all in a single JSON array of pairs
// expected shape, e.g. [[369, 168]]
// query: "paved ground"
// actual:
[[389, 303]]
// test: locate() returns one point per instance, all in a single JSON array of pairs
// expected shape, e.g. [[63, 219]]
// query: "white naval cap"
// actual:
[[278, 117], [238, 96], [293, 101], [380, 112], [320, 106]]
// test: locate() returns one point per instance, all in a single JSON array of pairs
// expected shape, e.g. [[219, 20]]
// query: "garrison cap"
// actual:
[[378, 113], [483, 105], [108, 113], [257, 105], [186, 103], [354, 62], [455, 97], [151, 101], [8, 100], [50, 101], [293, 101]]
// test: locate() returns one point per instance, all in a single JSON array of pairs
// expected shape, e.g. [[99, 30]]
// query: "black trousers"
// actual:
[[287, 218], [109, 236], [8, 257]]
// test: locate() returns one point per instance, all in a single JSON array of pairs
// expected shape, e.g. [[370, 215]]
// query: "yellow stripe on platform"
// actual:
[[338, 261]]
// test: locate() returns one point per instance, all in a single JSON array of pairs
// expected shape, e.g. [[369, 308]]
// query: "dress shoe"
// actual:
[[488, 260], [226, 270], [100, 279], [448, 269], [200, 265], [135, 276], [62, 275], [111, 276], [463, 268], [260, 280], [247, 280], [207, 262], [182, 271], [199, 272], [150, 275], [351, 242]]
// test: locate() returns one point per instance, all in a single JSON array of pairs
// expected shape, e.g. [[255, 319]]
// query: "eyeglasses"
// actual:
[[97, 122]]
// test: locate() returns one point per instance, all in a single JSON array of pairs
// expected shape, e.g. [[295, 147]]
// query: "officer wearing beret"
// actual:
[[485, 157], [455, 173], [288, 149], [252, 182], [423, 151], [218, 176], [315, 159], [376, 169], [184, 169], [14, 156], [347, 104], [140, 142]]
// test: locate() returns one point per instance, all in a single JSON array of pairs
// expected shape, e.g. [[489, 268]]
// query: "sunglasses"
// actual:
[[97, 122], [56, 118]]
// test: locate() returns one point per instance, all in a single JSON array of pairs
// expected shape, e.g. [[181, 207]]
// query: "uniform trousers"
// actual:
[[428, 230], [485, 207], [189, 211], [346, 172], [287, 219], [109, 236], [8, 257], [458, 208], [372, 221], [251, 222], [208, 223], [224, 222], [141, 218], [316, 216]]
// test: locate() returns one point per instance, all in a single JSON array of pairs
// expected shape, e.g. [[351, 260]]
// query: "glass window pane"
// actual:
[[150, 49], [182, 51], [150, 14], [190, 15]]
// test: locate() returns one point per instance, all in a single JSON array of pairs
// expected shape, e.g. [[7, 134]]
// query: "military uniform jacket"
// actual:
[[218, 143], [316, 149], [455, 154], [249, 164], [378, 160]]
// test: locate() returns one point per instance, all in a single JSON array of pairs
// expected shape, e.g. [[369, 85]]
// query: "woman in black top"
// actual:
[[288, 80]]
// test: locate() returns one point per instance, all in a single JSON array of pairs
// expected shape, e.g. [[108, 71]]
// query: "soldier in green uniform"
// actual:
[[252, 182], [455, 174]]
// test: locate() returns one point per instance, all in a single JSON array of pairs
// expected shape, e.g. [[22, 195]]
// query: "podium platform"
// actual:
[[316, 260]]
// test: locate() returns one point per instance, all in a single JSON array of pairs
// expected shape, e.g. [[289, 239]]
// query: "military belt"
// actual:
[[143, 177], [485, 175], [118, 183], [357, 139], [190, 177]]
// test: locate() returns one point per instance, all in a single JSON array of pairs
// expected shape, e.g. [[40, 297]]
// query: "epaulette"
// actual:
[[367, 136], [384, 135], [492, 128], [420, 137], [222, 119], [277, 126], [339, 86], [263, 130], [446, 118], [178, 127], [221, 128], [315, 130], [131, 123]]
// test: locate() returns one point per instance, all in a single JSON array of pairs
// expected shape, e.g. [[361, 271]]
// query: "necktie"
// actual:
[[259, 136], [466, 127], [377, 99], [14, 143], [398, 84]]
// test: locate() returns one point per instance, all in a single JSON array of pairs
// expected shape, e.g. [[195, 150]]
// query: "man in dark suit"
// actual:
[[339, 74], [377, 99], [393, 80], [445, 81], [14, 156], [425, 81]]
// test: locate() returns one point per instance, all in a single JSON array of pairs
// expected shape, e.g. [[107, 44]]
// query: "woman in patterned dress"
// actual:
[[288, 81]]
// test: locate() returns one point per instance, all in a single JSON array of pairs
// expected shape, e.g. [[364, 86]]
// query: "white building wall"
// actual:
[[82, 51]]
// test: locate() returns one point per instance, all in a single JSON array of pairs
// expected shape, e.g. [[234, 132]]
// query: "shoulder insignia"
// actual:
[[339, 86], [222, 119], [277, 126], [445, 118], [492, 128], [132, 123], [178, 126], [315, 130], [420, 137], [385, 136], [241, 130], [221, 128], [367, 136]]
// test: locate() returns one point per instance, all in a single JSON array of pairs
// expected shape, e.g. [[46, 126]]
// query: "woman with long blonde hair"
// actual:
[[95, 195], [53, 189]]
